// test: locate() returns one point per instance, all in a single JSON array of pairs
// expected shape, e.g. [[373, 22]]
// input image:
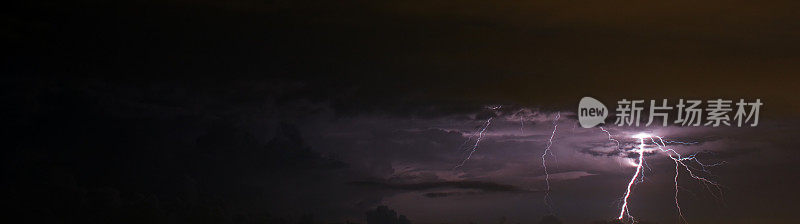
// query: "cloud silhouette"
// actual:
[[477, 185]]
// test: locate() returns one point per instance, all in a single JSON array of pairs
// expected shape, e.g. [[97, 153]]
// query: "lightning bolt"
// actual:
[[480, 133], [646, 144], [639, 163], [547, 150], [479, 136], [521, 114], [680, 161], [610, 138]]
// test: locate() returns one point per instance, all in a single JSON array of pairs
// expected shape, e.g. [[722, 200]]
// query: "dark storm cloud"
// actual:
[[450, 194], [477, 185], [609, 148], [597, 153]]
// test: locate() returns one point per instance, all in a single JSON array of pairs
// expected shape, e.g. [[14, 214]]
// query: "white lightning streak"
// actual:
[[639, 163], [609, 137], [544, 161], [480, 134], [680, 161]]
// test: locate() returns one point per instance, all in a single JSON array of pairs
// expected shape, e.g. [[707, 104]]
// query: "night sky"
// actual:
[[312, 112]]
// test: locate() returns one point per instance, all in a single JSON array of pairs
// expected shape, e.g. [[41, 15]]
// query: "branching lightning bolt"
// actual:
[[610, 138], [481, 132], [624, 209], [547, 150], [689, 163], [680, 161]]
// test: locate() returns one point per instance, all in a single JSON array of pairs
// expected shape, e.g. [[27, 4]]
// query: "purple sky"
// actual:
[[587, 184]]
